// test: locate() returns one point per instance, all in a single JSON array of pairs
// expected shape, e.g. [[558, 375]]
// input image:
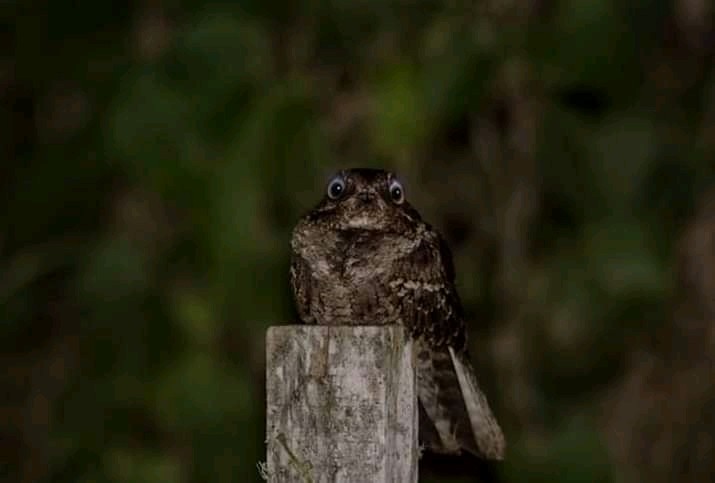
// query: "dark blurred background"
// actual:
[[156, 155]]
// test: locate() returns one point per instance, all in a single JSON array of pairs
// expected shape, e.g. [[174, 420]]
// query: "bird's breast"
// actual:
[[351, 282]]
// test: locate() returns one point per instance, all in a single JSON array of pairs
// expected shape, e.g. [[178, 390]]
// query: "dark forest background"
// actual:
[[155, 155]]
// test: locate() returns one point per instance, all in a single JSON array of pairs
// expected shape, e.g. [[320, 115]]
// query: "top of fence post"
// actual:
[[341, 404]]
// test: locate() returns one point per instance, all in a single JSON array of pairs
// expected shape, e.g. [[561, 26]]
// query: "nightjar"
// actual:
[[364, 256]]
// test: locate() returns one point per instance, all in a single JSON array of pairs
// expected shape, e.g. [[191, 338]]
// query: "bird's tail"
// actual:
[[455, 414]]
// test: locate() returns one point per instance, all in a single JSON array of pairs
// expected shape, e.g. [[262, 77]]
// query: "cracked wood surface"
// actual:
[[341, 404]]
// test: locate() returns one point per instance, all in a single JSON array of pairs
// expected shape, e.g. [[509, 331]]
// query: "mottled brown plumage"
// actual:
[[364, 256]]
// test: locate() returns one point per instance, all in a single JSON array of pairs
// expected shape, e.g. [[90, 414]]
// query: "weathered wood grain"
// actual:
[[341, 404]]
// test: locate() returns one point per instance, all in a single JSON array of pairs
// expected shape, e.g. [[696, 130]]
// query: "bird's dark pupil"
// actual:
[[396, 193], [336, 189]]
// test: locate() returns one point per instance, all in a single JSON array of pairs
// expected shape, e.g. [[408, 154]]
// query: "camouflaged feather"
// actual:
[[365, 257]]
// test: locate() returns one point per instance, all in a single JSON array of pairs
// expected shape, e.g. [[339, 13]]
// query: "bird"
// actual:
[[364, 256]]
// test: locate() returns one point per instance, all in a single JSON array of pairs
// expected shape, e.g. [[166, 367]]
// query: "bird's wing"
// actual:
[[445, 426], [487, 433], [424, 293], [301, 285], [458, 412]]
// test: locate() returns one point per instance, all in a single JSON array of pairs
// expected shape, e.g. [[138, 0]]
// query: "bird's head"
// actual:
[[365, 199]]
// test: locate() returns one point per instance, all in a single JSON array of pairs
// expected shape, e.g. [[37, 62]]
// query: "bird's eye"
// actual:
[[397, 193], [336, 188]]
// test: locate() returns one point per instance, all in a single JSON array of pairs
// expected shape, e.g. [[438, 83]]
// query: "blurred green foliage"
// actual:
[[157, 155]]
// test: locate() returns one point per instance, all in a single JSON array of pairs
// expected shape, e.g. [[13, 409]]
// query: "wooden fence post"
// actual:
[[341, 405]]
